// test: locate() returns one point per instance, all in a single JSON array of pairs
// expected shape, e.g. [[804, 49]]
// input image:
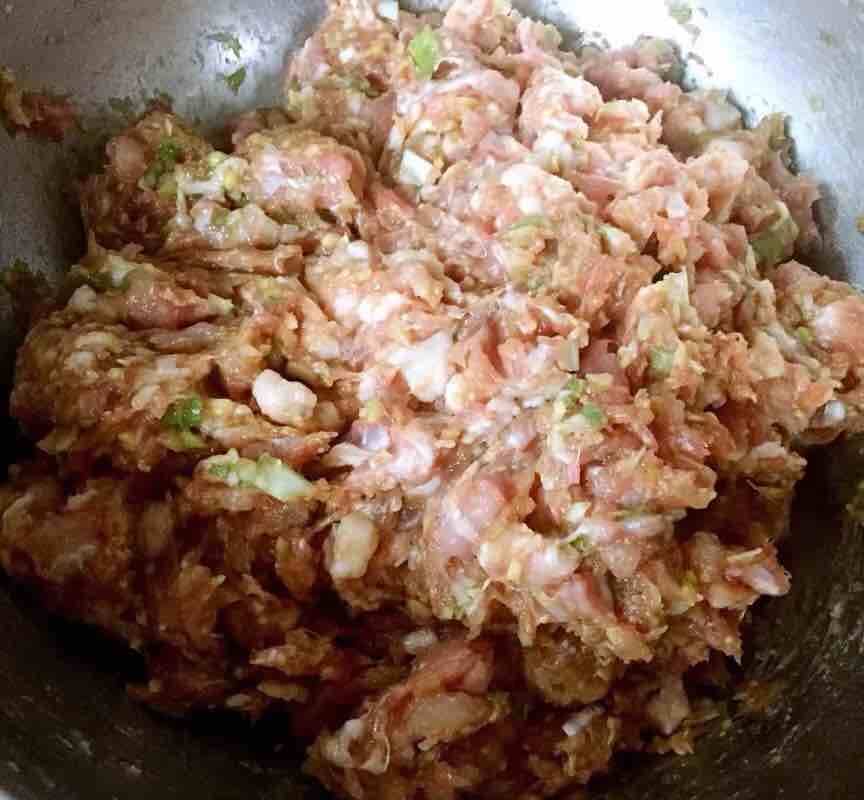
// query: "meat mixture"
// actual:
[[452, 410]]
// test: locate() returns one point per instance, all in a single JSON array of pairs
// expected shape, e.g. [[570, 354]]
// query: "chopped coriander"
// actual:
[[183, 415], [425, 52], [228, 41], [594, 414], [580, 543], [661, 360], [236, 79]]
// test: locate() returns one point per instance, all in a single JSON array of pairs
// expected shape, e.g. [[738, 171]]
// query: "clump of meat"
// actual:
[[452, 413], [38, 114]]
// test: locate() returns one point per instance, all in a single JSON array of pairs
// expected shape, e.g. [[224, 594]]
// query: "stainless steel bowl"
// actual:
[[66, 728]]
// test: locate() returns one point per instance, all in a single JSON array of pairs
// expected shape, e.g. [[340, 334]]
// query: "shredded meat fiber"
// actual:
[[452, 414]]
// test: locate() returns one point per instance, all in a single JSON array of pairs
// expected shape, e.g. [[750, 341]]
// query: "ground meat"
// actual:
[[38, 114], [452, 414]]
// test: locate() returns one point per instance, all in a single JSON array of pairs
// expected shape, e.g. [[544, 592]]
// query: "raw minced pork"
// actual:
[[455, 413]]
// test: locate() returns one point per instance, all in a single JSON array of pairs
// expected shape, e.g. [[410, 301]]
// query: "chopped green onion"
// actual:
[[575, 386], [278, 480], [18, 268], [168, 152], [220, 470], [180, 441], [768, 249], [267, 474], [804, 334], [236, 79], [772, 245], [219, 217], [183, 415], [568, 400], [533, 221], [690, 581], [679, 11], [661, 360], [580, 543], [122, 105], [594, 414], [425, 52]]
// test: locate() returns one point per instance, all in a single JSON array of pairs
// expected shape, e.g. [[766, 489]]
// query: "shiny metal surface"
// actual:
[[66, 728]]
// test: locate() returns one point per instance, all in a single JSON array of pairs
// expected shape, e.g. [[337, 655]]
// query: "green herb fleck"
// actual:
[[661, 361], [816, 102], [772, 245], [185, 440], [19, 267], [122, 105], [184, 414], [768, 249], [594, 414], [827, 38], [235, 79], [168, 152], [425, 52], [220, 217], [859, 223], [580, 543], [679, 11], [575, 386], [158, 98], [228, 41], [804, 335], [535, 283], [690, 581], [534, 221], [220, 470]]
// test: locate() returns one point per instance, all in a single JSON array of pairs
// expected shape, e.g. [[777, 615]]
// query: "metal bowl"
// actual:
[[67, 729]]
